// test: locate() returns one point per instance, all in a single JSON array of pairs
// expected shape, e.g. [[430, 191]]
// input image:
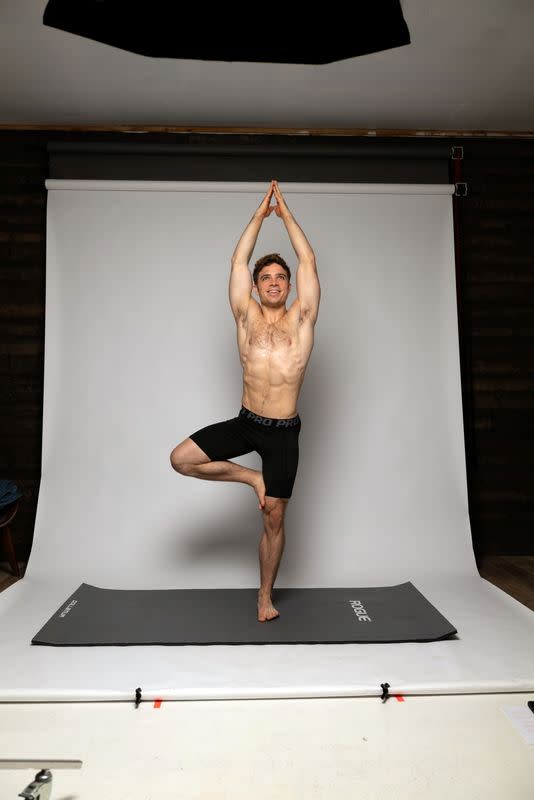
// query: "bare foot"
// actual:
[[266, 610], [259, 488]]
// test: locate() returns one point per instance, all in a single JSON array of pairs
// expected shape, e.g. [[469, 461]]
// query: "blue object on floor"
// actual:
[[9, 492]]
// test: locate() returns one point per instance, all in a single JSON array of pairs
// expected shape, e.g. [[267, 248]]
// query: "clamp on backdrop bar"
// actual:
[[460, 187]]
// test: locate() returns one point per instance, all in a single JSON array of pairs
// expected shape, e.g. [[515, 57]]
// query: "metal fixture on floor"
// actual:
[[41, 786]]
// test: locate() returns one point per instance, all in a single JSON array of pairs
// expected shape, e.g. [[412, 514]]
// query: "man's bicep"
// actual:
[[240, 289], [308, 290]]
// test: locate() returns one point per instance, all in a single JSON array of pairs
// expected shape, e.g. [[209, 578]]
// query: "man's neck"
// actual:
[[273, 316]]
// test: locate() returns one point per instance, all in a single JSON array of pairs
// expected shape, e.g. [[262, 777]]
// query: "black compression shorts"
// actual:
[[276, 441]]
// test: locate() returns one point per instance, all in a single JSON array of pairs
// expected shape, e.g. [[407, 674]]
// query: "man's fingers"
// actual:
[[267, 199], [280, 202], [266, 202]]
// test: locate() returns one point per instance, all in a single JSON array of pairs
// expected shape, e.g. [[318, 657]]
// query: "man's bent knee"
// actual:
[[176, 462], [181, 468], [187, 453]]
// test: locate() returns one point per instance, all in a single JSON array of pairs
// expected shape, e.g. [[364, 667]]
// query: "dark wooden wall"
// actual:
[[496, 292], [497, 321]]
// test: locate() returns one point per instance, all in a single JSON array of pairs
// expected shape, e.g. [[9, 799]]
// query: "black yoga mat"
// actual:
[[93, 616]]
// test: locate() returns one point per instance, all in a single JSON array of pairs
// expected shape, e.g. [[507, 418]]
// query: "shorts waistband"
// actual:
[[268, 422]]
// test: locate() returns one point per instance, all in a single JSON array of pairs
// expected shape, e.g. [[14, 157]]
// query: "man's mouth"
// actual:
[[274, 292]]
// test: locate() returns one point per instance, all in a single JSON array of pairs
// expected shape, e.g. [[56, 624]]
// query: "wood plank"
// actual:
[[513, 574]]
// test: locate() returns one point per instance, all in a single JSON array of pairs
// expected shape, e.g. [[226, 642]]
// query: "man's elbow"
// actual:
[[308, 263]]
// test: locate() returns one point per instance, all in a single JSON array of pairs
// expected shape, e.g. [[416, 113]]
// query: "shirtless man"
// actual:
[[274, 347]]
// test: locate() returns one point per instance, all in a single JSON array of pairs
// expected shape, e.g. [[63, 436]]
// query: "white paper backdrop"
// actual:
[[141, 351]]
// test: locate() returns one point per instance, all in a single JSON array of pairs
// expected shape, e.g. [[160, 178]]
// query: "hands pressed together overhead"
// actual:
[[280, 209], [246, 243]]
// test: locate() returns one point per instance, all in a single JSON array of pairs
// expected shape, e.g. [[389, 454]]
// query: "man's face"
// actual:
[[273, 285]]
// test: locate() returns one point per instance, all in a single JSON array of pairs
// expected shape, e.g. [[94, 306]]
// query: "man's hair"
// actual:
[[270, 258]]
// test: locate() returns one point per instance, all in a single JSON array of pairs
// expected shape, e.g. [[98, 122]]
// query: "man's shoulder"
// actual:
[[252, 311]]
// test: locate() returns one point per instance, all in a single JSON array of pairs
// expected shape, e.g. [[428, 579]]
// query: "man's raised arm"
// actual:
[[308, 286], [301, 245], [245, 245], [240, 286]]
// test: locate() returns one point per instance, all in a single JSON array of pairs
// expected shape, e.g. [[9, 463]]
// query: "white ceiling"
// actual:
[[470, 67]]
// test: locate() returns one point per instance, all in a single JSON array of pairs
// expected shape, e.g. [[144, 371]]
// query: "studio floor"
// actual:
[[453, 746]]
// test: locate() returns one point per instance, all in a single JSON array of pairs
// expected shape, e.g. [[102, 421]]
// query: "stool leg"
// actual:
[[7, 543]]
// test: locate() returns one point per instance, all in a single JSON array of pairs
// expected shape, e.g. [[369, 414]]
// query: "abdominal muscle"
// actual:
[[274, 360], [267, 394]]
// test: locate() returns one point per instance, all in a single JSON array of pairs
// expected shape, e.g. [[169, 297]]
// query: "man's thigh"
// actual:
[[280, 458], [222, 440], [188, 452]]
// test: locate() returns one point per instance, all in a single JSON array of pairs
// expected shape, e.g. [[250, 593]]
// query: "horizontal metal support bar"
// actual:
[[252, 188]]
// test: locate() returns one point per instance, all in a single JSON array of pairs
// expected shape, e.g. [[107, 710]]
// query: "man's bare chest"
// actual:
[[285, 344], [271, 337]]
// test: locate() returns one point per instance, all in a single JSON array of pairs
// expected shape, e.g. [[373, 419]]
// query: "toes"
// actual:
[[269, 614]]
